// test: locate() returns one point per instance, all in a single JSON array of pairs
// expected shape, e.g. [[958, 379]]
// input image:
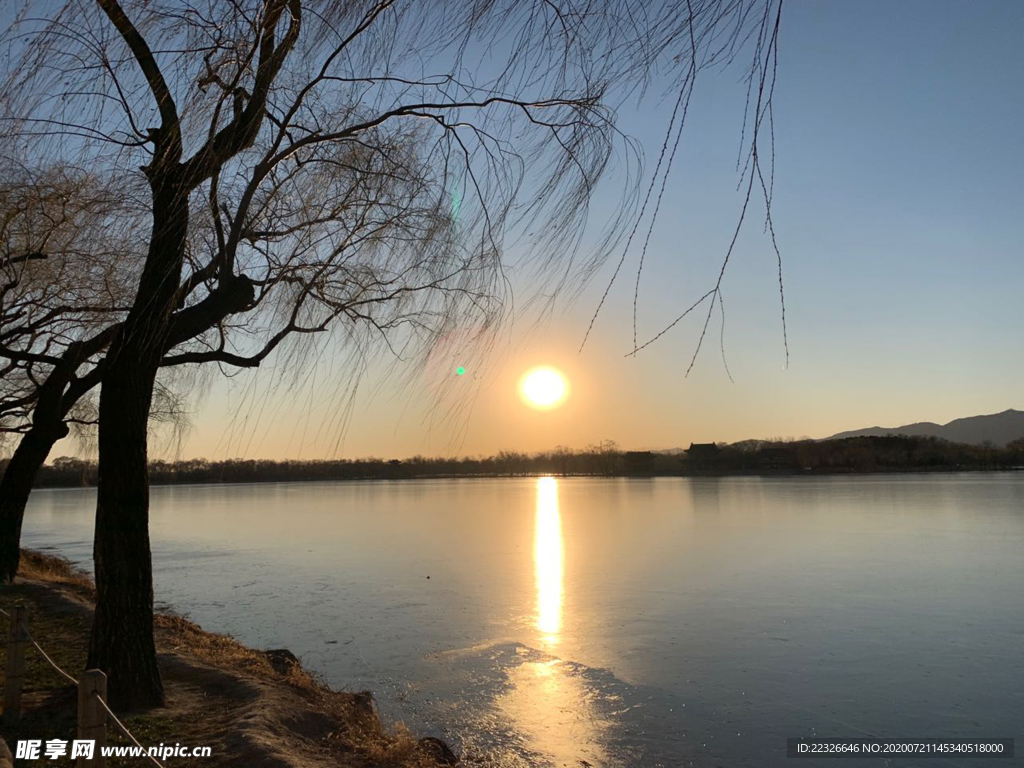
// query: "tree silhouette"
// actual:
[[66, 278], [68, 266], [310, 165]]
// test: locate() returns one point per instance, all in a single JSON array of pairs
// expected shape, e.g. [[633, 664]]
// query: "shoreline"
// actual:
[[251, 707], [560, 475]]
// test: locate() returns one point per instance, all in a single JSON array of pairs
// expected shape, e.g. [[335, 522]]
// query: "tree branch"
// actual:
[[168, 140]]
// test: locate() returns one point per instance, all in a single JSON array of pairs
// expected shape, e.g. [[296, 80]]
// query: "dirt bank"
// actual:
[[253, 708]]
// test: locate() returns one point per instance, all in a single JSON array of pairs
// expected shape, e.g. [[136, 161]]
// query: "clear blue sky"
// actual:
[[899, 208]]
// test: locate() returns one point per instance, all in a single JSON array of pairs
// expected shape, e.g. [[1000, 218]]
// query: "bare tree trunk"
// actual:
[[47, 428], [14, 490], [122, 642]]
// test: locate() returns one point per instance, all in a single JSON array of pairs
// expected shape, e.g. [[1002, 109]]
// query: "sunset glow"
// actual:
[[544, 388], [518, 477]]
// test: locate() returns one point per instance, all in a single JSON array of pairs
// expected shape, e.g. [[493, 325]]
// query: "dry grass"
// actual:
[[250, 708], [39, 566]]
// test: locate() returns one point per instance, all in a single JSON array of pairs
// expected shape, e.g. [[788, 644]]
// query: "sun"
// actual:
[[544, 388]]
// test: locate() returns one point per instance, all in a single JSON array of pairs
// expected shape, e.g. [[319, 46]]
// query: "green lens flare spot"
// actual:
[[460, 371], [456, 203]]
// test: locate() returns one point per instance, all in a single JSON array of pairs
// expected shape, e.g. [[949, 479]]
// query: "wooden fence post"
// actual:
[[15, 668], [92, 717], [6, 758]]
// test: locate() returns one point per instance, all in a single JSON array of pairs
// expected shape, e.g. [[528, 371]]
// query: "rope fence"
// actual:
[[93, 710], [46, 656], [124, 729]]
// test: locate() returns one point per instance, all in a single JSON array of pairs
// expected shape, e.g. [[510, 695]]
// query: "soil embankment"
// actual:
[[252, 708]]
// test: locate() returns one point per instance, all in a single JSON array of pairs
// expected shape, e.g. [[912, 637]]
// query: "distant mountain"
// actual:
[[997, 428]]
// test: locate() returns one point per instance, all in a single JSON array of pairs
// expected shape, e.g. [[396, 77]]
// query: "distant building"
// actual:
[[639, 462], [702, 451], [703, 455]]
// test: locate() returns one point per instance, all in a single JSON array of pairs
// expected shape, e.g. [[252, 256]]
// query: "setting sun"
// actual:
[[544, 388]]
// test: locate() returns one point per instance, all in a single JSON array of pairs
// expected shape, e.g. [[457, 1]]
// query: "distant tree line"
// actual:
[[855, 454], [891, 453]]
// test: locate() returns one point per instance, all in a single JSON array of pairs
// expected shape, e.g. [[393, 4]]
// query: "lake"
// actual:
[[620, 622]]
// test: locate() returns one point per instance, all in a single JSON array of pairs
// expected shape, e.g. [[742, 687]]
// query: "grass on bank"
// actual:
[[221, 694]]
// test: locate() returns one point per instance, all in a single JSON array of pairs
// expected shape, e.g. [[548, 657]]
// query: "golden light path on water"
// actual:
[[548, 562], [547, 698]]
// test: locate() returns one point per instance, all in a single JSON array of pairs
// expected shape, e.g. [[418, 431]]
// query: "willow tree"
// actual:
[[65, 282], [69, 251], [313, 165]]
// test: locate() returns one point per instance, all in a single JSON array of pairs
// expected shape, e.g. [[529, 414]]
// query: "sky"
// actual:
[[898, 211]]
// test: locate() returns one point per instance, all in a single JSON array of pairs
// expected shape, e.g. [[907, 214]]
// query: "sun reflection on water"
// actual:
[[548, 699], [547, 557]]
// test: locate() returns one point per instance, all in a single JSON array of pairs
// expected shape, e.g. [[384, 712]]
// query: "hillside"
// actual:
[[997, 428]]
